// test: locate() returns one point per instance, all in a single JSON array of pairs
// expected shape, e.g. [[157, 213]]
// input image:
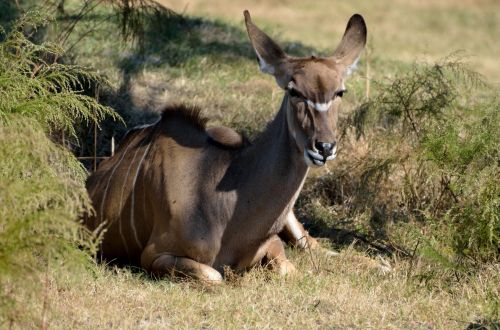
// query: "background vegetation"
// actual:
[[415, 187]]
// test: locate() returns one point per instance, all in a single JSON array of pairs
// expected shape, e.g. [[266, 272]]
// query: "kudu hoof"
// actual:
[[312, 243], [211, 277], [286, 268]]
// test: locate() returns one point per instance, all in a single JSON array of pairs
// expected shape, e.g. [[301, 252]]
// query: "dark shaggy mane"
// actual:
[[191, 114]]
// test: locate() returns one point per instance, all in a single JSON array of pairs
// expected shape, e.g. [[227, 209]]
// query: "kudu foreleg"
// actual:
[[295, 234], [276, 258], [167, 264]]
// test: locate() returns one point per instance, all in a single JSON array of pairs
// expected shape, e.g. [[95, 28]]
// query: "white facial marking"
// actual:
[[320, 106], [318, 162], [334, 154], [332, 157], [310, 161], [314, 154]]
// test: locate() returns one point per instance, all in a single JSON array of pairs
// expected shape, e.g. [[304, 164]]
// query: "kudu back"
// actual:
[[181, 198]]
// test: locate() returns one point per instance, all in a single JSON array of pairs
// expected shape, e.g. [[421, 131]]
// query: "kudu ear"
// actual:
[[352, 44], [272, 59]]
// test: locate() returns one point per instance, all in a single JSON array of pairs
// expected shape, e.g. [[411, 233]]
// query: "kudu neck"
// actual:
[[274, 155]]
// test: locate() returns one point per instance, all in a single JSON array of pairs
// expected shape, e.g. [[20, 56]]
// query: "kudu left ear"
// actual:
[[272, 59], [352, 44]]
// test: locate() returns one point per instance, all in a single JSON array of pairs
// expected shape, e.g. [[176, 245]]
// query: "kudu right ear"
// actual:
[[272, 59]]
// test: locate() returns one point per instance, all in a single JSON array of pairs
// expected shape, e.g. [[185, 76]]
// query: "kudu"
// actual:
[[180, 198]]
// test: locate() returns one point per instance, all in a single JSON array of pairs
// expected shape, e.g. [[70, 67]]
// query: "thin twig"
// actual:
[[86, 9], [367, 73], [45, 296], [308, 247], [410, 270]]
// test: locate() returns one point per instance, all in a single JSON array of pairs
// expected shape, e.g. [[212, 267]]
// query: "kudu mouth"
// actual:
[[313, 157]]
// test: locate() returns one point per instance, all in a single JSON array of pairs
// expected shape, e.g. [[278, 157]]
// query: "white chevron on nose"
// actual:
[[319, 106]]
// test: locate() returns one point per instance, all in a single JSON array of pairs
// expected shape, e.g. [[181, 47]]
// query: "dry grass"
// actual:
[[335, 292]]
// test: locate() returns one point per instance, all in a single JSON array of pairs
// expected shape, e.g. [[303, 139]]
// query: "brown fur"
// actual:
[[226, 137], [181, 198]]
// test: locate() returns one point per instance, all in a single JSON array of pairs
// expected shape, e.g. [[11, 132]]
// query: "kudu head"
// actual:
[[314, 87]]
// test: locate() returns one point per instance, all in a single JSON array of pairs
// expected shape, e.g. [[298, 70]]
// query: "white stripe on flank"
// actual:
[[132, 204], [109, 181], [145, 125], [320, 106], [120, 229]]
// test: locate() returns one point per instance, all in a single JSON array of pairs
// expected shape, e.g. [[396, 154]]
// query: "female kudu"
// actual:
[[185, 199]]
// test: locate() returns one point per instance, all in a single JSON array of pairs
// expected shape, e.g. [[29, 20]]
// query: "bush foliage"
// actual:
[[42, 191], [35, 85], [426, 162]]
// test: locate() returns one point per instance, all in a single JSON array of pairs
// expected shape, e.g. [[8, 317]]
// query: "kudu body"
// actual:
[[182, 198]]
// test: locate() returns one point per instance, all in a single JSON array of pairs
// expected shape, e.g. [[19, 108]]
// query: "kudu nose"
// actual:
[[324, 148]]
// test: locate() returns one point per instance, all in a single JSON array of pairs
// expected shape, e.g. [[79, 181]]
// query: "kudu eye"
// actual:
[[341, 93], [294, 93]]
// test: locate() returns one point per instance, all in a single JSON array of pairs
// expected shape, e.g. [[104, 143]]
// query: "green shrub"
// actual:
[[33, 84], [421, 156], [42, 194], [42, 191], [466, 154]]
